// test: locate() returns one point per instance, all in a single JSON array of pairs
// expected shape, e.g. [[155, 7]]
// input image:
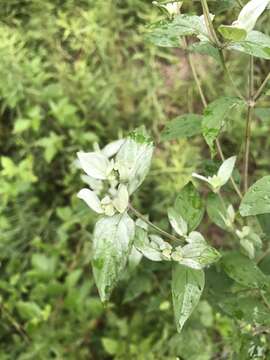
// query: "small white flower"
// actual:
[[222, 177]]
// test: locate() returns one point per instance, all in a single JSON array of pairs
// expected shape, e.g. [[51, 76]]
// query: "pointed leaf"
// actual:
[[244, 271], [187, 287], [257, 199], [226, 169], [256, 44], [91, 200], [133, 160], [95, 164], [183, 126], [214, 118], [189, 205], [111, 248], [168, 33], [177, 222]]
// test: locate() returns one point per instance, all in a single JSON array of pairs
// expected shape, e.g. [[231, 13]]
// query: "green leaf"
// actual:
[[187, 287], [231, 32], [168, 33], [183, 126], [244, 271], [177, 222], [21, 125], [256, 44], [216, 211], [190, 206], [214, 118], [246, 308], [257, 199], [133, 160], [111, 248], [29, 310], [263, 113], [110, 345], [264, 220], [205, 48]]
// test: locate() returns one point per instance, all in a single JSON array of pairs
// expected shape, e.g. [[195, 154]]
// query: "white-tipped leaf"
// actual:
[[95, 164], [177, 222], [226, 169], [112, 148], [120, 202], [91, 199]]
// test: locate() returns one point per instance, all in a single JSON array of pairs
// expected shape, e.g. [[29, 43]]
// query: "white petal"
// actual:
[[91, 200], [121, 200], [95, 164], [112, 148]]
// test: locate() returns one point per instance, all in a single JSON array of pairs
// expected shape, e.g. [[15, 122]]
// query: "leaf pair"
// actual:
[[210, 124]]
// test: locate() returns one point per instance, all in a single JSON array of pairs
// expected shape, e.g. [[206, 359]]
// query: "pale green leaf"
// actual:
[[133, 160], [256, 44], [111, 248], [187, 287], [189, 205], [177, 222]]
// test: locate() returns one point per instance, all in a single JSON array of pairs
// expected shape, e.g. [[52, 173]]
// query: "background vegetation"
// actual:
[[73, 73]]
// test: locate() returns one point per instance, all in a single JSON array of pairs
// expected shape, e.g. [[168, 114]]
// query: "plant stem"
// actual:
[[209, 23], [158, 229], [222, 201], [214, 38], [204, 102], [248, 122], [261, 88]]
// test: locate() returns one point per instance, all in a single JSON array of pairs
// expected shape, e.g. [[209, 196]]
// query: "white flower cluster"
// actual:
[[101, 167]]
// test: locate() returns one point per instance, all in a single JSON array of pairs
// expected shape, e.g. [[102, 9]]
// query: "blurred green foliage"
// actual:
[[73, 73]]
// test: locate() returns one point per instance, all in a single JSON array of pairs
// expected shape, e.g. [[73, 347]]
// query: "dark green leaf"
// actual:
[[214, 117], [189, 205], [111, 246], [244, 271], [182, 127], [187, 287], [257, 199]]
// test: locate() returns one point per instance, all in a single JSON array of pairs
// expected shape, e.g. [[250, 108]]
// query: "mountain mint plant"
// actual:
[[114, 173]]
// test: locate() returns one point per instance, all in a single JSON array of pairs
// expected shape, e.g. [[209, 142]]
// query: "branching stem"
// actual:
[[261, 88], [158, 229], [248, 122], [204, 102]]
